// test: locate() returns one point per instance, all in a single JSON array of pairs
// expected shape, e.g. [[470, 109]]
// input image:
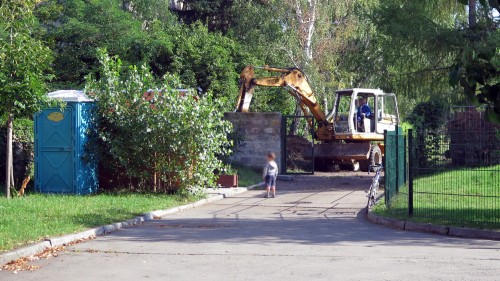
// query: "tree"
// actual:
[[139, 32], [24, 62], [208, 60], [74, 29], [477, 67], [439, 48]]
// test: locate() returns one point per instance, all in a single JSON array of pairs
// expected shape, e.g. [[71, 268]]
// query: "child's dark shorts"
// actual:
[[270, 180]]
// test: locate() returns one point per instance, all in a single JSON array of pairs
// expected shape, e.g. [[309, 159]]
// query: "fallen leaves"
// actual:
[[23, 264]]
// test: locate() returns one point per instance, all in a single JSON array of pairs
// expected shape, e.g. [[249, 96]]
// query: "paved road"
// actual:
[[314, 230]]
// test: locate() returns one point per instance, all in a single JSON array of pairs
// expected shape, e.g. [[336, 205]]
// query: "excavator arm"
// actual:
[[291, 79]]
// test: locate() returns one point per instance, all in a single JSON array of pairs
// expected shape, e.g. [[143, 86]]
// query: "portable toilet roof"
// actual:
[[70, 96]]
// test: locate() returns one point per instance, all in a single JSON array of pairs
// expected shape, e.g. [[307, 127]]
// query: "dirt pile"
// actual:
[[296, 147]]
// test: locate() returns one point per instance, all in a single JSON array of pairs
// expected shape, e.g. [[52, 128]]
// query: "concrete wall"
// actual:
[[260, 133]]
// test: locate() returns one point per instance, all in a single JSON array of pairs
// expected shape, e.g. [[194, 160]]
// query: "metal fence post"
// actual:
[[312, 141], [411, 160], [405, 158], [397, 159], [386, 147], [283, 144]]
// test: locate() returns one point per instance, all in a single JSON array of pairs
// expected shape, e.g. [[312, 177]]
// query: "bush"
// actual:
[[429, 119], [430, 115], [160, 139]]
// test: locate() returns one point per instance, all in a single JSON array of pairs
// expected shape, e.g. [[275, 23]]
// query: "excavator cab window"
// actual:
[[387, 115], [342, 110]]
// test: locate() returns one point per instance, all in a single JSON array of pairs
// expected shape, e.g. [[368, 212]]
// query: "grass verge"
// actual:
[[463, 197], [36, 216], [247, 176]]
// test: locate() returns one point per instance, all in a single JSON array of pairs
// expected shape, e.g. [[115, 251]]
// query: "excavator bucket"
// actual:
[[246, 89], [339, 151]]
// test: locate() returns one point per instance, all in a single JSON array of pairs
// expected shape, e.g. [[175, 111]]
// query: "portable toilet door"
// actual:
[[60, 140]]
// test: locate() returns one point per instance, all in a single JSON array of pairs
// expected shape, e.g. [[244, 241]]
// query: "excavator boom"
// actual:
[[291, 79]]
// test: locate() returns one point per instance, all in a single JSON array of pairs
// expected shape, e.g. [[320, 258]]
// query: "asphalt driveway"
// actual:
[[314, 230]]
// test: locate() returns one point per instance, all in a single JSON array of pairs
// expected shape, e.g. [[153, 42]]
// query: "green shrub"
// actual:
[[429, 115], [429, 119], [149, 131]]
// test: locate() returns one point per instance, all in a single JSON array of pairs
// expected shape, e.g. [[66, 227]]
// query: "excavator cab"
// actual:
[[364, 114]]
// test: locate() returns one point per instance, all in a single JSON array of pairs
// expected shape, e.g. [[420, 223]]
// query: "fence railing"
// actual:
[[453, 173], [453, 180], [395, 163], [298, 144]]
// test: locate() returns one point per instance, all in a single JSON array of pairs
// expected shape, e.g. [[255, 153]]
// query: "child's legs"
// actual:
[[268, 184], [273, 185]]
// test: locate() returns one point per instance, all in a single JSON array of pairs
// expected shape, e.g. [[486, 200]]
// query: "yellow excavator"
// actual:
[[345, 135]]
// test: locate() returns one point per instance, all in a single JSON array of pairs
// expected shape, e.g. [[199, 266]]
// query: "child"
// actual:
[[270, 174]]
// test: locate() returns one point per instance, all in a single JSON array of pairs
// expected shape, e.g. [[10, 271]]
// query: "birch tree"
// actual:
[[306, 19]]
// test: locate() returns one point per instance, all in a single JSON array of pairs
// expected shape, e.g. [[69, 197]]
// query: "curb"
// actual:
[[284, 177], [105, 229], [434, 228]]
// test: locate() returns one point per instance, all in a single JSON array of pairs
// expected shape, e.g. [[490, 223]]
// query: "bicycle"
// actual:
[[372, 191]]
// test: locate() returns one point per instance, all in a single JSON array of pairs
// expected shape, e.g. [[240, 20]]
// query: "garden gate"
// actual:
[[298, 144]]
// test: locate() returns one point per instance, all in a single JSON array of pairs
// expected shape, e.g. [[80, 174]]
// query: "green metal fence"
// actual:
[[453, 172], [394, 163], [454, 181]]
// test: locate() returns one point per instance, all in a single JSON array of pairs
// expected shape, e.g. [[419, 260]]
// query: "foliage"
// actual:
[[428, 118], [429, 115], [76, 28], [164, 139], [428, 48], [24, 60], [208, 60], [37, 216], [139, 32], [477, 68], [406, 46]]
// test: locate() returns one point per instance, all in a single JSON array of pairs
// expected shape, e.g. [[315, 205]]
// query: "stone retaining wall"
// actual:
[[259, 133]]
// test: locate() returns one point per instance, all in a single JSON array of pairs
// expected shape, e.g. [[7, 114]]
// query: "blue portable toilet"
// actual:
[[60, 140]]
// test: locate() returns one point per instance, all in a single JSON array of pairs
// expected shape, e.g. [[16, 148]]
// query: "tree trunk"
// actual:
[[472, 13], [12, 173], [9, 157], [306, 24], [295, 121], [310, 30]]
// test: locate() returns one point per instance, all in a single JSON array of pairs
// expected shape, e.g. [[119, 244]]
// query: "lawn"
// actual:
[[34, 217], [37, 216], [464, 197]]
